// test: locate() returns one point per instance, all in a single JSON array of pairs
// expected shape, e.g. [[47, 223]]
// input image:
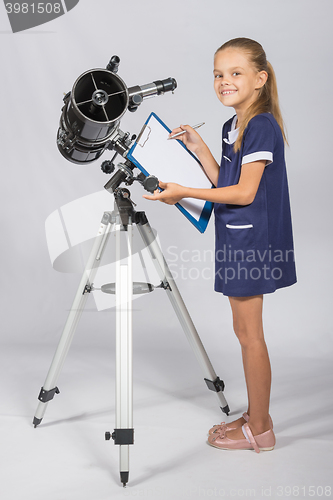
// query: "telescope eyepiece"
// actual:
[[167, 85], [113, 64]]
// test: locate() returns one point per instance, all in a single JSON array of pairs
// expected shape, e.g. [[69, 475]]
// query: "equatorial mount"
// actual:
[[125, 174]]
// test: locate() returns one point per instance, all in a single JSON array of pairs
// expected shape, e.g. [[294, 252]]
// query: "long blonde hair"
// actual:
[[268, 100]]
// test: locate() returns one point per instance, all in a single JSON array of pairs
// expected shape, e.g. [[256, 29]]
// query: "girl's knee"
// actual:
[[247, 336]]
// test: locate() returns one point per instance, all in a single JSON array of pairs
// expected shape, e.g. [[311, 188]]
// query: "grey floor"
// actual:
[[66, 457]]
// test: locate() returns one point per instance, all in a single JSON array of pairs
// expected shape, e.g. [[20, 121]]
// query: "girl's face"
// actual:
[[236, 81]]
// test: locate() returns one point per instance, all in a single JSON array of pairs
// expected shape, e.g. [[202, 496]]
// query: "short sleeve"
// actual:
[[259, 140]]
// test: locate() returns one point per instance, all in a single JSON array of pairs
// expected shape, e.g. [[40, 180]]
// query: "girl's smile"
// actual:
[[228, 92]]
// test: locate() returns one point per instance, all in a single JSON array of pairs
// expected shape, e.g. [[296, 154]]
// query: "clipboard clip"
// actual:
[[143, 135]]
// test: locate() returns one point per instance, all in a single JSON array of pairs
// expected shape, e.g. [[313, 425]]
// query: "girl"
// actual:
[[254, 243]]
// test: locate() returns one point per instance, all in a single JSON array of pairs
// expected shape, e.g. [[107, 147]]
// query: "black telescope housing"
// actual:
[[90, 118]]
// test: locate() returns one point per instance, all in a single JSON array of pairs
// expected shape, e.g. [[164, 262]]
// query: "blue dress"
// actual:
[[254, 251]]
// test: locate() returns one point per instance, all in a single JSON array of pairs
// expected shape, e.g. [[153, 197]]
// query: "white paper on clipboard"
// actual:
[[171, 162]]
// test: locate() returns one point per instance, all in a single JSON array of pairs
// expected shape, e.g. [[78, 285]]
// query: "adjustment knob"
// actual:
[[107, 166], [136, 100], [151, 183]]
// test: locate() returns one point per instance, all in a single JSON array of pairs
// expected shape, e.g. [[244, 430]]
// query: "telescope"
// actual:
[[90, 119], [89, 125]]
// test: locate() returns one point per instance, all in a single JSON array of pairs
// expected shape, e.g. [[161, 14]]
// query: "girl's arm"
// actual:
[[194, 143], [242, 193]]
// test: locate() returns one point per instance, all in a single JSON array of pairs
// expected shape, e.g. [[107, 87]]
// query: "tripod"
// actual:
[[120, 222]]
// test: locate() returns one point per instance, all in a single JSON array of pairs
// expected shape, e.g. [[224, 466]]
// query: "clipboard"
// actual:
[[171, 161]]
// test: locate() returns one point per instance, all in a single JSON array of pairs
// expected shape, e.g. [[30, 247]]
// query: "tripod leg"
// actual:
[[212, 380], [49, 388], [124, 352], [124, 432]]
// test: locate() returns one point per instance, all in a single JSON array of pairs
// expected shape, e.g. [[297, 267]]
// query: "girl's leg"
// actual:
[[247, 319]]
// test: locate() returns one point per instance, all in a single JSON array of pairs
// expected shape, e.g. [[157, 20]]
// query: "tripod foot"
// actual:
[[124, 478], [36, 421], [225, 409]]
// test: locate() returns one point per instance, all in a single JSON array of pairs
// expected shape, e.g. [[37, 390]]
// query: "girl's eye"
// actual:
[[218, 76], [235, 73]]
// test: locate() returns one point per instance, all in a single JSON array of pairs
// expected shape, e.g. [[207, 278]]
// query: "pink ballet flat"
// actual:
[[261, 442], [227, 427]]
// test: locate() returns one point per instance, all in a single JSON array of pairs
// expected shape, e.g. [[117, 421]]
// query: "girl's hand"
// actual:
[[191, 138], [172, 193]]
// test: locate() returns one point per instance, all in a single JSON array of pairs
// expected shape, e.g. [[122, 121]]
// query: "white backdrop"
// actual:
[[155, 40]]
